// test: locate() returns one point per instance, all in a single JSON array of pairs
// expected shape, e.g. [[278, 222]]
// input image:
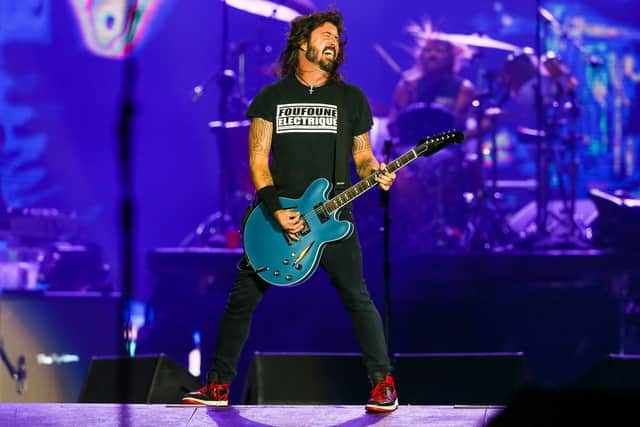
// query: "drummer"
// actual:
[[433, 82]]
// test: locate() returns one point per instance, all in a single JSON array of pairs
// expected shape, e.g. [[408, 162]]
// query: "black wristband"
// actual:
[[269, 196]]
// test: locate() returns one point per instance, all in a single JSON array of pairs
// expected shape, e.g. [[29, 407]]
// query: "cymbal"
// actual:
[[478, 40], [285, 10]]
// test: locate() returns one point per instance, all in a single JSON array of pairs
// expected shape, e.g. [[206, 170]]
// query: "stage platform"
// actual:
[[106, 415]]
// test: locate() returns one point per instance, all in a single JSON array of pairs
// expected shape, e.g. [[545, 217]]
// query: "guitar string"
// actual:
[[440, 138]]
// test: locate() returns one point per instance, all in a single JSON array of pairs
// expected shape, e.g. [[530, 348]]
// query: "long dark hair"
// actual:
[[300, 32]]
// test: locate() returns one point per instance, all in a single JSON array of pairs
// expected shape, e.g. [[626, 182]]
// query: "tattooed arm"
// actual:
[[366, 162], [363, 156], [259, 149]]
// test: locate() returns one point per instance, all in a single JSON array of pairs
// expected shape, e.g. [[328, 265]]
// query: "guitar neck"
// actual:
[[366, 184], [428, 146]]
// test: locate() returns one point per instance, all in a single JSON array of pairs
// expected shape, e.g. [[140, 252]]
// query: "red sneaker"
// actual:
[[213, 394], [383, 396]]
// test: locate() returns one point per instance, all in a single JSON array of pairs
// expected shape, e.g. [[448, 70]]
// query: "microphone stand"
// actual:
[[386, 255]]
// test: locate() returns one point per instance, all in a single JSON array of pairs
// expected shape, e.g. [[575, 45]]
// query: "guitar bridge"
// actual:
[[304, 253]]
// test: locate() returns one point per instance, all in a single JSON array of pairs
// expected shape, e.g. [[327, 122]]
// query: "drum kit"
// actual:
[[461, 197]]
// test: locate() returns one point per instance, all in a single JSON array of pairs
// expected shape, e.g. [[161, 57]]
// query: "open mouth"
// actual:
[[329, 53]]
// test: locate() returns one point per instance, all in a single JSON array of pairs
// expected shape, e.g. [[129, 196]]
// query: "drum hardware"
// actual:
[[486, 227], [571, 110], [552, 142], [556, 110], [221, 228]]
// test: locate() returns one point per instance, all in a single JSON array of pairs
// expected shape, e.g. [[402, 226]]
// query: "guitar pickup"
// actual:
[[321, 212]]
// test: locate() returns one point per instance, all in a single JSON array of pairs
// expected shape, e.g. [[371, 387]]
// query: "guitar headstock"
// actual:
[[434, 143], [450, 137]]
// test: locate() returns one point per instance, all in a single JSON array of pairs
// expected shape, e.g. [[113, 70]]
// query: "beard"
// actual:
[[313, 55]]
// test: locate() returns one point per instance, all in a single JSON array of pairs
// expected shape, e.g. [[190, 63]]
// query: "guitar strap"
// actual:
[[344, 142]]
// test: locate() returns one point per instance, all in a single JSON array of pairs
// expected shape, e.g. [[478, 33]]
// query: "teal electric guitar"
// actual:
[[282, 261]]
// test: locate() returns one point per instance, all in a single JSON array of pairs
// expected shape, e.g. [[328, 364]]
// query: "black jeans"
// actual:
[[342, 261]]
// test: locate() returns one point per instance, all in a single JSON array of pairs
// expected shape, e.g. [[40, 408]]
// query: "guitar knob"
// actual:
[[285, 261], [288, 277], [298, 266], [276, 273]]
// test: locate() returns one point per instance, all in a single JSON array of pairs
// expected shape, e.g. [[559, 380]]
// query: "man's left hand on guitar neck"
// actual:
[[384, 178]]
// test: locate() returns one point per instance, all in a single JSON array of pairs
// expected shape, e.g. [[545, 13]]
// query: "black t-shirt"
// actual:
[[305, 128]]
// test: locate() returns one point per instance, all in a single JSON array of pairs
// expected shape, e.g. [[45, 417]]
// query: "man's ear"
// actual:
[[303, 46]]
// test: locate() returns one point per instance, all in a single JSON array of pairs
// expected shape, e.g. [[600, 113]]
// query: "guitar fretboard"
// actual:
[[429, 146]]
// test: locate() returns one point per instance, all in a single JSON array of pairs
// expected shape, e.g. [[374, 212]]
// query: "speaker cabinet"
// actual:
[[464, 378], [149, 379], [306, 378]]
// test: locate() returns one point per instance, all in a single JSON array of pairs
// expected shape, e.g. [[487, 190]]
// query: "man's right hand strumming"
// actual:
[[290, 221]]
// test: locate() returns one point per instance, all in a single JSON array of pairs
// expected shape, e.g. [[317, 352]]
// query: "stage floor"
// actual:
[[106, 415]]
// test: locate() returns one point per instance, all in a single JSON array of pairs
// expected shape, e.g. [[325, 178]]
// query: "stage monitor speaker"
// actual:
[[151, 379], [464, 378], [306, 378]]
